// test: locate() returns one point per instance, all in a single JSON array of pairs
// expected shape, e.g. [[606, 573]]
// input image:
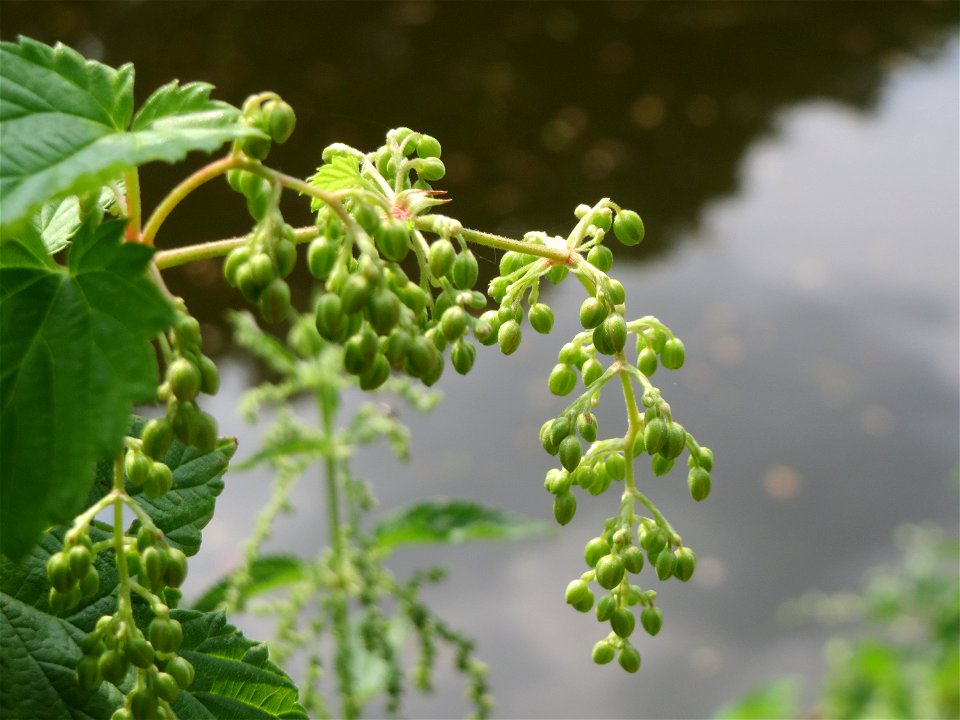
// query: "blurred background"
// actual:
[[796, 165]]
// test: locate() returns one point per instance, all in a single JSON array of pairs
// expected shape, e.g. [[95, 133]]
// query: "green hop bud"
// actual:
[[686, 563], [592, 313], [705, 459], [90, 583], [441, 257], [654, 435], [422, 357], [159, 481], [666, 564], [176, 568], [398, 342], [609, 571], [355, 293], [605, 608], [557, 481], [557, 273], [486, 327], [88, 672], [652, 620], [623, 622], [261, 266], [383, 311], [143, 703], [165, 634], [209, 376], [392, 240], [330, 317], [560, 428], [672, 354], [81, 560], [674, 442], [154, 563], [646, 360], [139, 652], [611, 335], [166, 687], [546, 438], [564, 507], [508, 336], [204, 438], [465, 271], [121, 713], [594, 550], [591, 370], [653, 541], [114, 666], [430, 168], [157, 438], [660, 465], [235, 259], [453, 322], [275, 301], [321, 256], [563, 378], [616, 292], [602, 481], [462, 355], [585, 476], [585, 604], [576, 591], [59, 572], [280, 119], [256, 147], [628, 227], [359, 351], [632, 559], [181, 670], [616, 466], [587, 426], [629, 659], [698, 482], [603, 652], [428, 146], [570, 453], [541, 318], [375, 375], [285, 253], [600, 257]]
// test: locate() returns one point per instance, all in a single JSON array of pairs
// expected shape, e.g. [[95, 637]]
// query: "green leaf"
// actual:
[[197, 481], [57, 222], [452, 521], [341, 173], [234, 677], [76, 357], [268, 572], [65, 125]]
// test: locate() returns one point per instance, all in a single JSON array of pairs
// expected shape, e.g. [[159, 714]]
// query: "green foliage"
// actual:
[[904, 660], [68, 125], [451, 522], [75, 346]]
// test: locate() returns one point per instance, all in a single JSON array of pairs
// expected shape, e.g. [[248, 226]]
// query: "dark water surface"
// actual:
[[796, 164]]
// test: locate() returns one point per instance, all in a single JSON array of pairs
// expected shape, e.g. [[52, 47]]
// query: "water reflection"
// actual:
[[799, 159]]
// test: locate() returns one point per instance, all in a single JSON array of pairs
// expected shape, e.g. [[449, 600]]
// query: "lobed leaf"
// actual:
[[76, 357], [452, 521], [65, 125]]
